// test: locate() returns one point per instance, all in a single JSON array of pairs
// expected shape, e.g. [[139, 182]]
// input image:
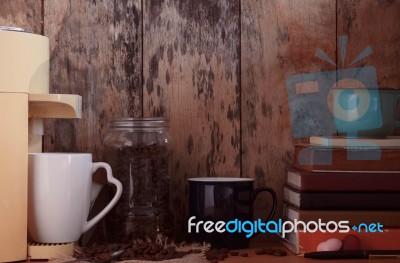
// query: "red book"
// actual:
[[343, 181], [316, 158], [304, 242]]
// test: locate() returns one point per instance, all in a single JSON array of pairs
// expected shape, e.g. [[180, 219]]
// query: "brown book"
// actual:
[[343, 180], [386, 218], [345, 200], [322, 158]]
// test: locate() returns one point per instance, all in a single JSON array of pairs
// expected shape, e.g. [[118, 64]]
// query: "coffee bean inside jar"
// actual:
[[138, 150]]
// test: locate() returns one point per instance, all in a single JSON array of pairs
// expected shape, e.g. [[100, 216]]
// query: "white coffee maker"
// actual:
[[24, 102]]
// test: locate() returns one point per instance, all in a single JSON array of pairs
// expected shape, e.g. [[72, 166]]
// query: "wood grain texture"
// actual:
[[96, 53], [21, 13], [216, 69], [279, 39], [191, 75], [376, 24]]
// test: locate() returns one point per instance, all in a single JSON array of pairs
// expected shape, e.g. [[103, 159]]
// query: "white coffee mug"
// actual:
[[59, 195]]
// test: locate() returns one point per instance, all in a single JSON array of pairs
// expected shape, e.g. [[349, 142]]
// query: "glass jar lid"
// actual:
[[138, 123], [15, 29]]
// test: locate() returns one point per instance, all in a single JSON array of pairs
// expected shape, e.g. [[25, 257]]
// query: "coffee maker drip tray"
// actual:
[[50, 251]]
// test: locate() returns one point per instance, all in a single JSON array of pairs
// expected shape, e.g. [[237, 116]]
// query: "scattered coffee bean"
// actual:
[[221, 257], [260, 251], [224, 250], [244, 254], [269, 251], [217, 254], [139, 250], [211, 257], [279, 252]]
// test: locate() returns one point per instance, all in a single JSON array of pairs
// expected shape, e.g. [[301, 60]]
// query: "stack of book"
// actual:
[[341, 179]]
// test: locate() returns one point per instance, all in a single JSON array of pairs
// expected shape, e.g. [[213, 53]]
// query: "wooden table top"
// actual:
[[292, 258]]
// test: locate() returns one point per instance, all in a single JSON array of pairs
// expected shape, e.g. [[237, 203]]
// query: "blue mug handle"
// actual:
[[274, 199], [397, 122]]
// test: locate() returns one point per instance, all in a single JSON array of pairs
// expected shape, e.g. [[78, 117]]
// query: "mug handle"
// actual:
[[273, 195], [397, 123], [89, 224]]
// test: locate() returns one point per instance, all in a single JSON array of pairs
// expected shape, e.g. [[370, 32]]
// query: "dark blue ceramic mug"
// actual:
[[221, 210]]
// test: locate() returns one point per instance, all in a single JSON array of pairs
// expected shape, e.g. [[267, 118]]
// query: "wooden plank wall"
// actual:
[[376, 24], [22, 14], [216, 69], [191, 75], [279, 39], [96, 52]]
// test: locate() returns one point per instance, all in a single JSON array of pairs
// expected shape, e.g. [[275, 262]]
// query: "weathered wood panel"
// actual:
[[21, 13], [375, 24], [279, 39], [216, 69], [191, 75], [96, 53]]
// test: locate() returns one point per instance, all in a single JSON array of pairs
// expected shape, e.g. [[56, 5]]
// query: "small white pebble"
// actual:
[[332, 244]]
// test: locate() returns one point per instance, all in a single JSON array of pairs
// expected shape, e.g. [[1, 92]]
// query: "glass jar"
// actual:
[[138, 150]]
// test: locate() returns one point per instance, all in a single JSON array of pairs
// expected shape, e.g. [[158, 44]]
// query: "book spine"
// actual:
[[334, 141], [386, 218], [311, 158], [343, 181], [343, 200]]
